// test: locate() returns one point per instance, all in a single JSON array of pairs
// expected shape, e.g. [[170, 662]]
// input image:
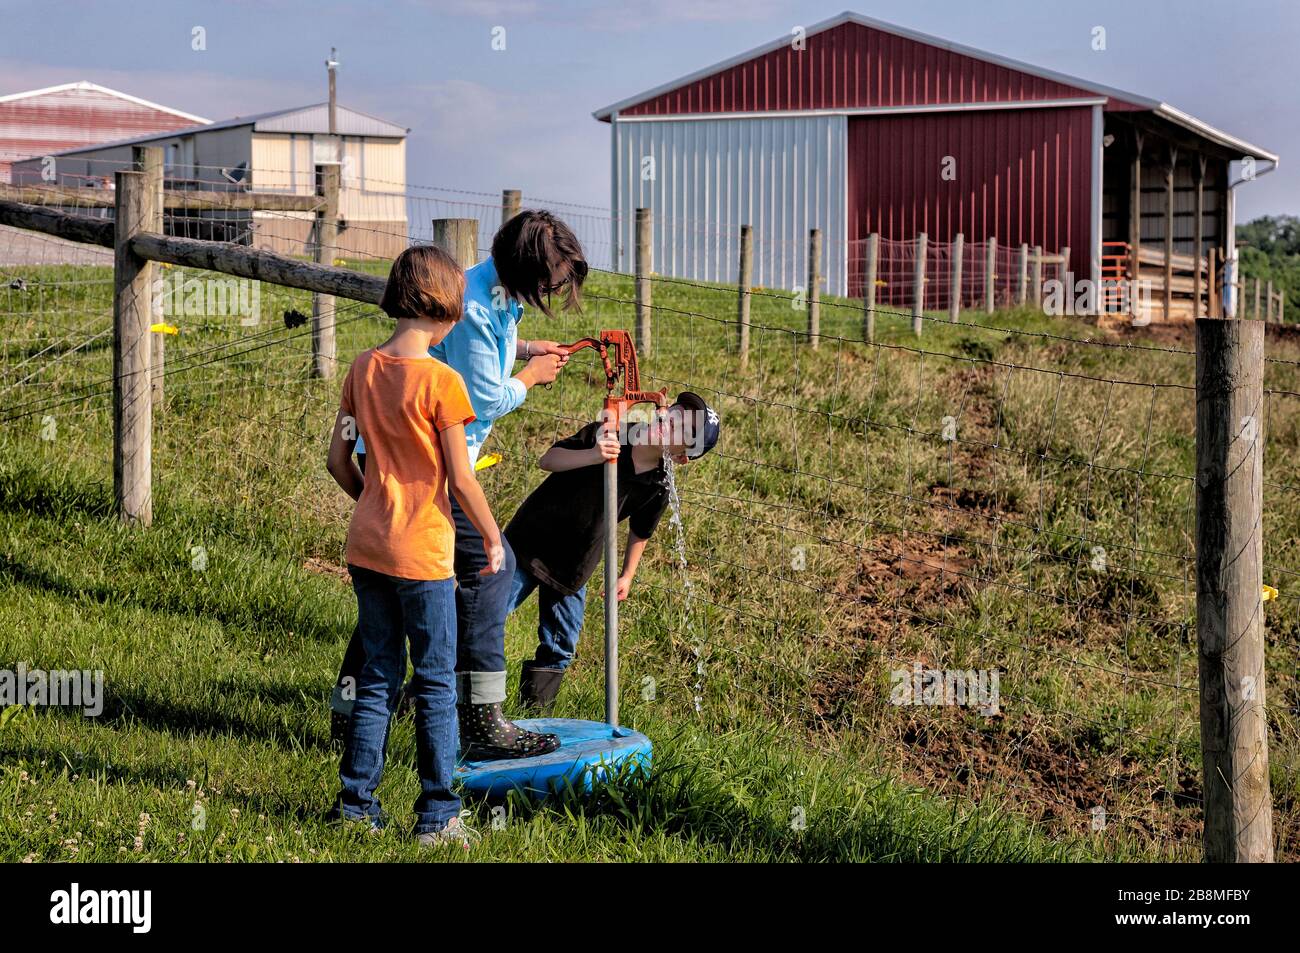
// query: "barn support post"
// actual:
[[1212, 286], [1169, 232], [132, 356], [511, 202], [149, 160], [990, 273], [918, 283], [869, 293], [644, 267], [954, 293], [1036, 281], [742, 305], [323, 346], [814, 287], [1229, 590], [1198, 237], [1135, 209]]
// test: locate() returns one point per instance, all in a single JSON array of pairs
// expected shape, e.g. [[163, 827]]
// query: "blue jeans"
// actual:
[[389, 611], [559, 618]]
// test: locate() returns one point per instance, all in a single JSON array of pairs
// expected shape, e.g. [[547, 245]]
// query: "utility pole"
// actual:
[[331, 66]]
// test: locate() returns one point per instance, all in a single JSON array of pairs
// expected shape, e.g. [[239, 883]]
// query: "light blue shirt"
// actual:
[[481, 348]]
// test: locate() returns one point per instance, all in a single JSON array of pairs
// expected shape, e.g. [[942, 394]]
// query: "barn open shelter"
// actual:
[[854, 126]]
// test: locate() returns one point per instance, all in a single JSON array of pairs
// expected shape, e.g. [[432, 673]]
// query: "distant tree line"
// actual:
[[1269, 249]]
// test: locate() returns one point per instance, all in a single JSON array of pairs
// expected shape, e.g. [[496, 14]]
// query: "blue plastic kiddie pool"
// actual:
[[588, 750]]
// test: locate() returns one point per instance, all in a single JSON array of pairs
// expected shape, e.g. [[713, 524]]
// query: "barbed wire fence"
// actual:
[[881, 506]]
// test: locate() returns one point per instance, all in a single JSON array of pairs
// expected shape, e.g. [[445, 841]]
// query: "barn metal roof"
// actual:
[[304, 120], [95, 87], [1132, 100]]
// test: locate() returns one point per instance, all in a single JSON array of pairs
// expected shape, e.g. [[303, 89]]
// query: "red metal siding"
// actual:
[[1021, 176], [853, 66], [67, 119]]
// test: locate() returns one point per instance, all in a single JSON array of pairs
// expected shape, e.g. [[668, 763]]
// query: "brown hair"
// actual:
[[424, 282], [535, 250]]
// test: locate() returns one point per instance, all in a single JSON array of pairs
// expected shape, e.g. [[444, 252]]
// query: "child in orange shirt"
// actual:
[[412, 411]]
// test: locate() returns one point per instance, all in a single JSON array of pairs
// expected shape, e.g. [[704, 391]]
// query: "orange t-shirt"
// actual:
[[402, 524]]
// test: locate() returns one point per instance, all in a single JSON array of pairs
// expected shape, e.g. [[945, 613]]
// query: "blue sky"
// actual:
[[486, 120]]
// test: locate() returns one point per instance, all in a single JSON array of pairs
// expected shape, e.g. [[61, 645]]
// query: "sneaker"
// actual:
[[456, 834]]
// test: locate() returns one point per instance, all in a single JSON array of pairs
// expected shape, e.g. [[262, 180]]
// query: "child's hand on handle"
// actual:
[[549, 347], [496, 557], [542, 369], [607, 445]]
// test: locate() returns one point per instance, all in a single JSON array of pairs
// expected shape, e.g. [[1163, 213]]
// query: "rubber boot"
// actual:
[[487, 735], [538, 687]]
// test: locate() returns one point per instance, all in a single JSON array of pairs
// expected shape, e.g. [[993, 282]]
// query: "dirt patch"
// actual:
[[323, 567], [1054, 780]]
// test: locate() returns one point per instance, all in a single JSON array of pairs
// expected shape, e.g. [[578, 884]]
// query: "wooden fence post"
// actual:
[[644, 268], [954, 293], [1036, 277], [1229, 581], [323, 345], [511, 202], [743, 297], [149, 160], [1268, 308], [869, 298], [990, 273], [132, 386], [815, 287], [1257, 287], [458, 237], [918, 283], [1022, 281]]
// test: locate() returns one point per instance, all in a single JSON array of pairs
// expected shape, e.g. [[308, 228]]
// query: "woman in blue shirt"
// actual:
[[535, 257]]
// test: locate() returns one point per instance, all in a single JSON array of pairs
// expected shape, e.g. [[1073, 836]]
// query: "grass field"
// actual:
[[983, 498]]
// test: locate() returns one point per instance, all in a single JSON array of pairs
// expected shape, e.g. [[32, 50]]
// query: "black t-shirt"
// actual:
[[558, 533]]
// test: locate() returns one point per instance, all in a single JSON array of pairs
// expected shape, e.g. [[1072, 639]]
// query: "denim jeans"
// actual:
[[559, 618], [482, 604], [390, 611]]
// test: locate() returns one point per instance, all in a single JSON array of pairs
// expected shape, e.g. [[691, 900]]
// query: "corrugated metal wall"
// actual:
[[1019, 176], [781, 176]]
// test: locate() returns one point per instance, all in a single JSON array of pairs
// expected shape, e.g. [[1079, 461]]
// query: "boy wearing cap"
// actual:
[[558, 532]]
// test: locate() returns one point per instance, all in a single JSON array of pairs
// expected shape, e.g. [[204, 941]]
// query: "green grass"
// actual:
[[833, 537]]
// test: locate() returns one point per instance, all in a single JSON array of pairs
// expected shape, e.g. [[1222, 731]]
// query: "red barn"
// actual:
[[45, 121], [855, 126]]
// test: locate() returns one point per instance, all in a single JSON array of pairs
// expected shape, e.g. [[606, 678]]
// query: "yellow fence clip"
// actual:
[[162, 328], [1269, 593], [491, 460]]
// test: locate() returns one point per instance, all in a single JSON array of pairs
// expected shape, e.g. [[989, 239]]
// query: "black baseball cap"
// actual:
[[712, 424]]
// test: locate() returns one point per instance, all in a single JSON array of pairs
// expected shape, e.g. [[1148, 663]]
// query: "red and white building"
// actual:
[[41, 122], [850, 126]]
